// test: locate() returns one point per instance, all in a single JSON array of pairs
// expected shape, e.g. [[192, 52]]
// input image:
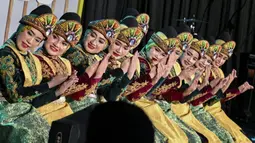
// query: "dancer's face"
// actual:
[[56, 45], [29, 38], [220, 60], [95, 42], [155, 55], [119, 49], [189, 58]]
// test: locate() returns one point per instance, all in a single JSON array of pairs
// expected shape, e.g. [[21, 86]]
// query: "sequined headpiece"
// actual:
[[185, 38], [173, 43], [200, 46], [227, 44], [108, 27], [69, 27], [228, 48], [219, 42], [41, 19], [143, 21], [131, 36], [159, 40], [213, 51]]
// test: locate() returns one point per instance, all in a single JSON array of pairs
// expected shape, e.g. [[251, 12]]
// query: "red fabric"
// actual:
[[51, 74], [235, 92], [166, 83], [139, 93], [206, 91], [207, 88], [173, 95], [202, 99], [136, 94], [84, 79]]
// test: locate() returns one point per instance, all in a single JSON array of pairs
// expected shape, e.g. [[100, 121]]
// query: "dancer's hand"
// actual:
[[133, 65], [102, 66]]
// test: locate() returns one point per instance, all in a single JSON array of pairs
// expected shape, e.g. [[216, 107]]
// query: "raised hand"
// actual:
[[57, 80], [193, 86], [125, 65], [92, 69], [133, 65], [170, 61], [231, 78], [160, 71], [102, 66], [214, 82], [187, 73], [206, 77], [153, 72], [244, 87], [64, 86], [73, 75], [220, 85], [208, 72]]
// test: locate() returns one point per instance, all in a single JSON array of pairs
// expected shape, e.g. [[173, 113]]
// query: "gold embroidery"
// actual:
[[31, 67], [196, 97], [68, 65], [114, 64], [75, 88], [60, 66], [7, 66], [164, 88], [142, 94], [91, 89], [24, 67], [89, 58], [38, 68], [134, 87], [230, 95], [54, 65], [7, 71], [105, 81], [77, 58], [48, 62], [46, 71]]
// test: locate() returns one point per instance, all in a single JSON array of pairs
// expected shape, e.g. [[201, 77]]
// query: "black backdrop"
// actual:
[[218, 13]]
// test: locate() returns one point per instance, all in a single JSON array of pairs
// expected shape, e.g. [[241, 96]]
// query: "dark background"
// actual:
[[237, 16]]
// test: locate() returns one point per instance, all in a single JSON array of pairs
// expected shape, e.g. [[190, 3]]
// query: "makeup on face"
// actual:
[[189, 58], [95, 42], [156, 55], [119, 49], [29, 39], [220, 60], [203, 62], [56, 45]]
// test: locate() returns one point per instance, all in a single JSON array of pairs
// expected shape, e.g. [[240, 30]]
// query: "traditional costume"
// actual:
[[183, 110], [143, 20], [70, 29], [81, 59], [21, 77], [197, 104], [166, 129], [131, 35], [215, 106], [171, 81]]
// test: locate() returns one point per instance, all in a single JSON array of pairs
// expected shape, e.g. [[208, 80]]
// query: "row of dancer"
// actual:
[[175, 78]]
